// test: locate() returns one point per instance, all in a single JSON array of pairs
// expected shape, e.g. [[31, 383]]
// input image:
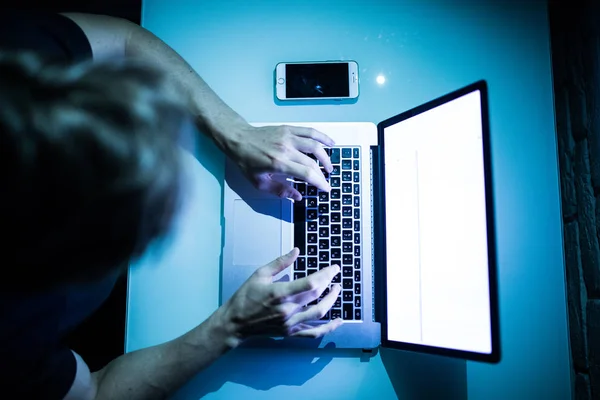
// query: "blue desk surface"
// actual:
[[424, 49]]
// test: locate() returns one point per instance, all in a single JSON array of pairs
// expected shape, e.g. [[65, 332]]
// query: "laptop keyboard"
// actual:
[[327, 230]]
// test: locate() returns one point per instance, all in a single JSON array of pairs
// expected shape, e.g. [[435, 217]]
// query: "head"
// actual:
[[89, 168]]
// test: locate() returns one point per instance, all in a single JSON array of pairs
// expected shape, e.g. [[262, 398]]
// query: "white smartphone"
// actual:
[[326, 80]]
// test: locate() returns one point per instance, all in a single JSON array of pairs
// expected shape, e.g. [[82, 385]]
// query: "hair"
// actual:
[[89, 167]]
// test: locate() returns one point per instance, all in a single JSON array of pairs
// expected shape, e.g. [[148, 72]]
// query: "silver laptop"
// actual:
[[409, 220]]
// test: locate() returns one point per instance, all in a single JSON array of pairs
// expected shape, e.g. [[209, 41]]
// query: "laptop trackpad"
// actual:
[[257, 231]]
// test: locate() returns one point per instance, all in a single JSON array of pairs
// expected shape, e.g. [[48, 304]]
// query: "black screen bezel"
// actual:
[[380, 233]]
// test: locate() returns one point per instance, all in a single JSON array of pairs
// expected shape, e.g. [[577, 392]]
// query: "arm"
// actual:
[[155, 372], [259, 307], [258, 151]]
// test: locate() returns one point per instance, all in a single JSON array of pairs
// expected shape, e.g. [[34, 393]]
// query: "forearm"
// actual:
[[214, 117], [156, 372], [114, 37]]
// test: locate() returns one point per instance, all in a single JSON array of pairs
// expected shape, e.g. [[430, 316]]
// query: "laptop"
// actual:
[[409, 220]]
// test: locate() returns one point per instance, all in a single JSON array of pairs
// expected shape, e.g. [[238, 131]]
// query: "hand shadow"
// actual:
[[418, 376], [261, 364]]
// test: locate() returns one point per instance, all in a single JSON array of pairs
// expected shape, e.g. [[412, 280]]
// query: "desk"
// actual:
[[424, 49]]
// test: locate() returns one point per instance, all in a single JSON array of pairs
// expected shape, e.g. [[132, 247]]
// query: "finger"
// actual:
[[300, 169], [308, 162], [308, 146], [312, 133], [320, 330], [279, 189], [315, 282], [316, 312], [279, 264]]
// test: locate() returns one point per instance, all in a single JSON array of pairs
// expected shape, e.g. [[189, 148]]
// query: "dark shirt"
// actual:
[[34, 361]]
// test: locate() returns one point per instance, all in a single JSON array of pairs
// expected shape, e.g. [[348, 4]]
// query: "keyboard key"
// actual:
[[335, 155], [357, 288], [311, 226], [300, 264], [335, 205], [347, 211], [335, 194], [323, 232], [347, 223], [335, 229], [346, 248], [355, 152], [347, 295], [357, 315], [324, 244], [324, 220], [311, 271], [346, 272], [323, 196], [357, 238], [312, 238], [347, 188], [312, 250], [357, 263], [347, 311], [311, 202], [334, 182], [336, 314], [311, 190], [356, 226], [346, 152], [356, 251], [347, 259], [336, 241], [312, 262], [336, 217], [357, 301], [323, 265], [357, 213], [346, 283], [346, 165], [356, 188], [336, 253], [299, 275], [338, 302], [323, 208], [356, 165], [324, 256], [335, 171], [301, 187], [356, 276], [347, 235], [311, 214], [337, 278], [356, 201], [346, 176], [346, 199], [356, 177]]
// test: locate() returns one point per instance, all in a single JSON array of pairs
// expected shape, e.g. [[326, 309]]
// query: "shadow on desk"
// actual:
[[418, 376], [264, 364]]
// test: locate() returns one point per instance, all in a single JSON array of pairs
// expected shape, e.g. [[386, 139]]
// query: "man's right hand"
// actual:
[[267, 308]]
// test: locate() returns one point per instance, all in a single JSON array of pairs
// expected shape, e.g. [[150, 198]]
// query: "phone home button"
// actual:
[[280, 81]]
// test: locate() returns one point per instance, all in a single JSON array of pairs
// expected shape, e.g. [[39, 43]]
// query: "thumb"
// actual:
[[280, 263], [279, 189]]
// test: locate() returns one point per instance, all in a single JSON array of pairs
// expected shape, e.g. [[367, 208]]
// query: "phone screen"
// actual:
[[317, 80]]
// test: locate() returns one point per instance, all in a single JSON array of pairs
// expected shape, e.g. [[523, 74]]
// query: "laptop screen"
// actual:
[[436, 228]]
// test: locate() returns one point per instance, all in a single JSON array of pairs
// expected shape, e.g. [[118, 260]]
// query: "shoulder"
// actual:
[[52, 35]]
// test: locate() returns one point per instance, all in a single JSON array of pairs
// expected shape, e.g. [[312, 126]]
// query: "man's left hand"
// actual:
[[263, 153]]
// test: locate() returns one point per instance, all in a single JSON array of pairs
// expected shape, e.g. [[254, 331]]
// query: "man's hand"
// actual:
[[264, 153], [264, 307]]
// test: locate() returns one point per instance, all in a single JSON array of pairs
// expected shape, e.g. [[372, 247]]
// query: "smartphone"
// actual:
[[326, 80]]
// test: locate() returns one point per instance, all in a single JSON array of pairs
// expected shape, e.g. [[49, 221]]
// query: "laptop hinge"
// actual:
[[375, 226]]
